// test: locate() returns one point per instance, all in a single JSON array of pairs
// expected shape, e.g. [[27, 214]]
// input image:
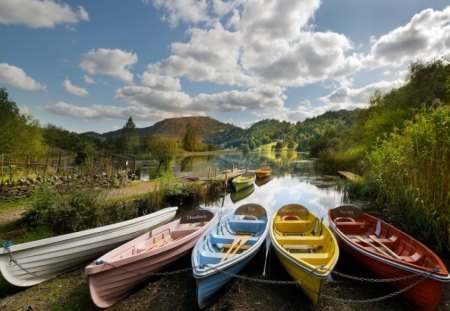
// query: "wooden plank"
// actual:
[[374, 246], [237, 244], [392, 253], [349, 175]]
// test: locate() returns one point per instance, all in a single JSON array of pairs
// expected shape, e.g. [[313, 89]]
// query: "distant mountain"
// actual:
[[210, 130], [225, 135]]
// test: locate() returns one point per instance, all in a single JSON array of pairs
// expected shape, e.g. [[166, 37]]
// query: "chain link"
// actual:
[[381, 298], [12, 259], [258, 280], [265, 281], [361, 279]]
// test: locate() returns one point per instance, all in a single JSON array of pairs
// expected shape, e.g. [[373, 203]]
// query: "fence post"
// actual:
[[10, 169], [59, 162], [2, 168]]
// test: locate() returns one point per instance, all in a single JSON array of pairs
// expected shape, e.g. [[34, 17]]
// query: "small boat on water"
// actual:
[[236, 196], [115, 274], [243, 181], [305, 247], [31, 263], [263, 171], [390, 253], [226, 248]]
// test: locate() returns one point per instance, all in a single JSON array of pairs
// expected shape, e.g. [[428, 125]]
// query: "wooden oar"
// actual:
[[242, 242], [238, 242], [233, 245], [373, 245], [392, 253]]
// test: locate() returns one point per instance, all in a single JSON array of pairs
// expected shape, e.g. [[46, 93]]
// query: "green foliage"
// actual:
[[19, 133], [411, 169], [162, 149], [80, 210], [129, 140], [42, 204]]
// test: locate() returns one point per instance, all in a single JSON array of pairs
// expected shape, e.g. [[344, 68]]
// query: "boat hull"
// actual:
[[391, 253], [45, 259], [213, 261], [112, 277], [208, 286], [425, 295], [310, 284], [306, 248]]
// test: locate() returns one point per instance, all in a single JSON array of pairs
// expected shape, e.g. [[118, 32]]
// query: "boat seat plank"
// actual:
[[245, 225], [228, 239], [360, 238], [312, 255], [227, 246], [305, 239]]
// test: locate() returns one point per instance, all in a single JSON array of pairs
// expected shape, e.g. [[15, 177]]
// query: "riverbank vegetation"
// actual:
[[401, 146]]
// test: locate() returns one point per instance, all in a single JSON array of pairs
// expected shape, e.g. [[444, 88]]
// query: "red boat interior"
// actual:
[[383, 239]]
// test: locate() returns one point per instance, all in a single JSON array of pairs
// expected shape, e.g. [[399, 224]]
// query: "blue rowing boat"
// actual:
[[226, 248]]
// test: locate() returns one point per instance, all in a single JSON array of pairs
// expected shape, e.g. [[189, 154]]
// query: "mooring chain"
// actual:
[[259, 280], [14, 260], [361, 279], [381, 298]]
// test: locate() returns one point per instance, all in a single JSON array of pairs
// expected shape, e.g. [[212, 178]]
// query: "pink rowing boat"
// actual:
[[115, 274]]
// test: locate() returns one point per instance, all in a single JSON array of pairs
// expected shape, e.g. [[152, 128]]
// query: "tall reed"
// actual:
[[411, 169]]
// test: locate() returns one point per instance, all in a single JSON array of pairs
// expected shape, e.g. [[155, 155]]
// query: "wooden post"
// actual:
[[2, 168], [10, 169], [59, 162]]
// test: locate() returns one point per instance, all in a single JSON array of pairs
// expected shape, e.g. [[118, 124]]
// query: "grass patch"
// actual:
[[13, 205]]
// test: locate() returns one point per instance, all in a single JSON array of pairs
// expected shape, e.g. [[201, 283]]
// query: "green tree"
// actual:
[[19, 133], [191, 140], [130, 137], [162, 149]]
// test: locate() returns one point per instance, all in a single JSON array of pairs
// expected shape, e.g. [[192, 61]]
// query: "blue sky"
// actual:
[[89, 65]]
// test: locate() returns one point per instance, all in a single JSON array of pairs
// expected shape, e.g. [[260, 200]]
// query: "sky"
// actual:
[[90, 65]]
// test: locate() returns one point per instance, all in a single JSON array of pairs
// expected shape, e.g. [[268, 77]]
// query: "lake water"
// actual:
[[293, 180]]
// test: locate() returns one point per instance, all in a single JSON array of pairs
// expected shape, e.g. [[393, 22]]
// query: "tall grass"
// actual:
[[411, 170], [330, 161]]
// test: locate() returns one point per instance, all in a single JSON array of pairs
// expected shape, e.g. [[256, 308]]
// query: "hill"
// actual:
[[210, 130], [224, 135]]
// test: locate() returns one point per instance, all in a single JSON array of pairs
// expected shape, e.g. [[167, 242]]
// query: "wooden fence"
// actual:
[[14, 166]]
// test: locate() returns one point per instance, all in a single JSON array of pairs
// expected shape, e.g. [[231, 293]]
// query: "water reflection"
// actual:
[[290, 189], [293, 180]]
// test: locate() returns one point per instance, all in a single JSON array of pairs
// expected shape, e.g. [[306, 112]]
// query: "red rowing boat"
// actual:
[[390, 253]]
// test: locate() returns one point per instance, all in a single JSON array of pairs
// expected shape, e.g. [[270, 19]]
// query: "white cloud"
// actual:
[[425, 37], [15, 76], [75, 90], [346, 97], [187, 11], [39, 13], [87, 79], [210, 55], [155, 99], [160, 82], [100, 112], [111, 62]]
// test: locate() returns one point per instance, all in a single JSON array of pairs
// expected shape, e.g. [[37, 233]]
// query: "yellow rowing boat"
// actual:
[[305, 247]]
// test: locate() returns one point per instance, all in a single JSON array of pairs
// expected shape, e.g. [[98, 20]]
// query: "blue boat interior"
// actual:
[[222, 237]]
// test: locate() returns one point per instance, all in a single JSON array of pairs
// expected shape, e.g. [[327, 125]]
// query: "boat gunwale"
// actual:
[[47, 242], [304, 265], [169, 247], [402, 265], [215, 268]]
